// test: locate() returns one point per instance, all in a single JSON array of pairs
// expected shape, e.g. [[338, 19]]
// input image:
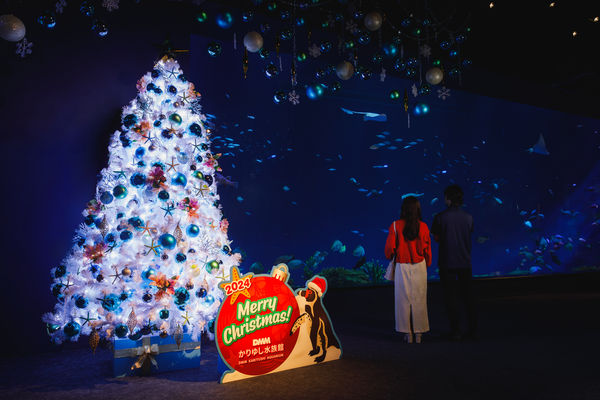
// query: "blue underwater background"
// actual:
[[311, 174]]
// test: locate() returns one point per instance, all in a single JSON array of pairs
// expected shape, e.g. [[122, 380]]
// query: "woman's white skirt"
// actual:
[[410, 290]]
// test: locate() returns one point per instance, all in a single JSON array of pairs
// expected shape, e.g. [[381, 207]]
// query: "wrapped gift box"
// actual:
[[153, 354]]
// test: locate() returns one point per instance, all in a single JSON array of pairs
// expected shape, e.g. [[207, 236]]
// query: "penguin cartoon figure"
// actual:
[[321, 330]]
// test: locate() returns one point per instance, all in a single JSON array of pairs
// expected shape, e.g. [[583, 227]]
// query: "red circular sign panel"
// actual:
[[265, 349]]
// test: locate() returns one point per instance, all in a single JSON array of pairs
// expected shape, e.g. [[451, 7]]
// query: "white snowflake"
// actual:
[[294, 98], [351, 27], [443, 93], [314, 50], [60, 6], [414, 90], [110, 5], [425, 51], [24, 47], [382, 75]]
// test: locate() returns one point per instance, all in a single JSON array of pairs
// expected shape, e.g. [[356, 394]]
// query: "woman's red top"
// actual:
[[409, 252]]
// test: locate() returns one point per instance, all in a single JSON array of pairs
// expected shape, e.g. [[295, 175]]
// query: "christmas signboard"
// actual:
[[264, 327]]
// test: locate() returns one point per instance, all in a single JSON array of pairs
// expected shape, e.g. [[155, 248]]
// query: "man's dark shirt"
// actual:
[[452, 228]]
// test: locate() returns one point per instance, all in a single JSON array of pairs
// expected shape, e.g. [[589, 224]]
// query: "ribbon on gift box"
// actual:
[[147, 351]]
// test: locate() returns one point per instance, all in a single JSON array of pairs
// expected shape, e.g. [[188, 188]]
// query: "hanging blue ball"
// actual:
[[109, 238], [314, 91], [193, 230], [420, 109], [271, 70], [147, 297], [140, 151], [47, 20], [175, 118], [326, 47], [224, 20], [111, 302], [106, 198], [180, 257], [181, 296], [201, 293], [390, 50], [121, 330], [86, 8], [130, 119], [126, 235], [136, 222], [138, 179], [247, 16], [179, 179], [72, 328], [163, 314], [167, 241], [163, 195], [120, 191], [100, 28], [81, 302], [279, 96], [364, 39]]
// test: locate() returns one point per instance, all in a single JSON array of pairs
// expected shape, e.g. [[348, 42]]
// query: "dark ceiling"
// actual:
[[522, 51]]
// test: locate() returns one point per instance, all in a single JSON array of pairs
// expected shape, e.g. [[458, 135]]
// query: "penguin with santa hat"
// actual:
[[322, 335]]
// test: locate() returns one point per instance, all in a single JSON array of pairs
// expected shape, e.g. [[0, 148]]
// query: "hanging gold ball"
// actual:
[[126, 271]]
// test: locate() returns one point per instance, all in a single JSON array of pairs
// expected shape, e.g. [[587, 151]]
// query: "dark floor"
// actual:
[[539, 340]]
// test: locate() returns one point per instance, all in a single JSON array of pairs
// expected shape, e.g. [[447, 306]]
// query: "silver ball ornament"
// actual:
[[434, 75], [253, 41], [11, 28], [344, 70], [373, 21]]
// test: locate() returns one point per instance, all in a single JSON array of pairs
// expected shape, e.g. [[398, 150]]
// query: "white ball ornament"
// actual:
[[11, 28], [253, 41], [373, 21], [344, 70], [434, 75]]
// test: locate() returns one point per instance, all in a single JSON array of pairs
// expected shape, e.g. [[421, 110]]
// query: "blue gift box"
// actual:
[[154, 354]]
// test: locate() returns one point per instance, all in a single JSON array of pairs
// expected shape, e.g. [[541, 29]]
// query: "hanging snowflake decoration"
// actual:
[[425, 51], [110, 5], [294, 98], [414, 90], [352, 27], [314, 50], [443, 93], [382, 75], [60, 6], [24, 47]]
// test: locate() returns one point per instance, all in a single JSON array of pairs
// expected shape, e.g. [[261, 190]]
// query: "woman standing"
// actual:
[[408, 242]]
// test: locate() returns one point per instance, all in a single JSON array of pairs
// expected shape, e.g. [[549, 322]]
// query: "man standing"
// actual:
[[452, 228]]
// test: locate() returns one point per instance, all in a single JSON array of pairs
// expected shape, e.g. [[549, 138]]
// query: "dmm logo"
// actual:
[[258, 342]]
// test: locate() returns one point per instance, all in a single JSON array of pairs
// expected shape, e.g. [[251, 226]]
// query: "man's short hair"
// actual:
[[455, 194]]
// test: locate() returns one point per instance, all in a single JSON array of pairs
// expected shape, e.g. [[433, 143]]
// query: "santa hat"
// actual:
[[318, 284]]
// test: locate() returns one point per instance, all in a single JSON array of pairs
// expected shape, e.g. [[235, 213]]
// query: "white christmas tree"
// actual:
[[153, 246]]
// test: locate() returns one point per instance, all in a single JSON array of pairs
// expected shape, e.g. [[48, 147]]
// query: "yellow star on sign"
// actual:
[[237, 285]]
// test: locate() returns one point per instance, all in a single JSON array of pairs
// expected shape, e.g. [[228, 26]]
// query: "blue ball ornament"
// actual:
[[196, 129], [247, 16], [420, 109], [181, 296], [135, 336], [263, 53], [167, 241], [326, 47], [106, 198], [72, 329], [81, 302], [201, 293], [193, 230], [209, 300], [364, 39], [136, 222], [163, 195], [111, 302], [138, 179], [86, 8], [109, 238], [60, 271], [212, 266], [126, 235], [100, 28], [224, 20], [148, 273], [120, 191], [279, 97], [130, 119], [47, 20], [175, 118], [180, 257], [121, 330], [271, 70], [315, 91], [163, 314], [179, 179], [390, 50], [140, 151], [51, 328]]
